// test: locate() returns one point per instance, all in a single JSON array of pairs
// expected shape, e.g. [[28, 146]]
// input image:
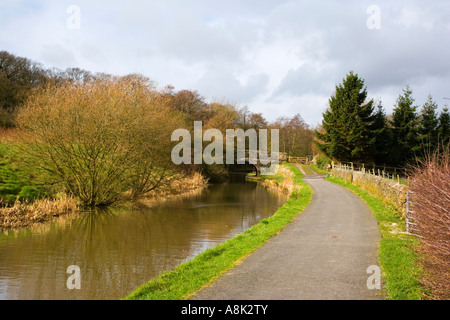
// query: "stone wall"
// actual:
[[386, 189]]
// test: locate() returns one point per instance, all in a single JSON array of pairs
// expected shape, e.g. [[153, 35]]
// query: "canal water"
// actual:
[[117, 250]]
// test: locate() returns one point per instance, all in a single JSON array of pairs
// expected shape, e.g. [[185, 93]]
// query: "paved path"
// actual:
[[323, 254]]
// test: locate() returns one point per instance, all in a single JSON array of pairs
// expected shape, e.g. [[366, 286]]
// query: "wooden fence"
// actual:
[[299, 160], [394, 173]]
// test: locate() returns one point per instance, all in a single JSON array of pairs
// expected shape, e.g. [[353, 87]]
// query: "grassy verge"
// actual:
[[317, 169], [191, 276], [398, 260], [307, 169]]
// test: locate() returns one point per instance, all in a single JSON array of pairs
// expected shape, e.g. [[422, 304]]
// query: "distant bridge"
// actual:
[[256, 166]]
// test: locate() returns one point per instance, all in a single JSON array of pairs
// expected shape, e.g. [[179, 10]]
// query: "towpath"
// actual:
[[323, 254]]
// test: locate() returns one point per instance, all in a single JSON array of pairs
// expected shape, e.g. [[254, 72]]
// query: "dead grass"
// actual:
[[179, 187], [23, 215], [284, 185]]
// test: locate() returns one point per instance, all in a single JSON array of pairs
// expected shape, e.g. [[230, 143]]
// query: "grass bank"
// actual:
[[17, 181], [189, 277], [399, 263], [25, 200]]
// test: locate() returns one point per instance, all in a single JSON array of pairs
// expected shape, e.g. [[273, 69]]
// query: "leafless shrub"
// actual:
[[106, 140], [430, 183]]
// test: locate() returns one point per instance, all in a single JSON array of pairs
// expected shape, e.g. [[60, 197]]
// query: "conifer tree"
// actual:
[[429, 125], [405, 129], [347, 123], [444, 127], [383, 142]]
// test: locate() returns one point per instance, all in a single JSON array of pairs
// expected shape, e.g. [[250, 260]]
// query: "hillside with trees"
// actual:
[[103, 138]]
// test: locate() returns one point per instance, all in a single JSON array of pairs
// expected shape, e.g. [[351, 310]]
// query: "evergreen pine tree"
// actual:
[[444, 127], [382, 143], [429, 125], [405, 129], [347, 123]]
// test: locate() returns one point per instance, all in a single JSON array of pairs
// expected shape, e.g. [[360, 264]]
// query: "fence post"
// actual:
[[408, 212], [409, 219]]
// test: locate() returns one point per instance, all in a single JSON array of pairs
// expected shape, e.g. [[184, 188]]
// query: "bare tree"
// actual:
[[105, 140], [296, 138]]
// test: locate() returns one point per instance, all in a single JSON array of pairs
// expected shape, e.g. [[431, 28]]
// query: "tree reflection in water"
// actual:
[[119, 249]]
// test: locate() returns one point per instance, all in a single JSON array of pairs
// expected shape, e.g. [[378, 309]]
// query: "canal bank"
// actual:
[[29, 214]]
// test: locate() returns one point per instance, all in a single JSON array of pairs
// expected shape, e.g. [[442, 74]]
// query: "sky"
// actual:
[[278, 58]]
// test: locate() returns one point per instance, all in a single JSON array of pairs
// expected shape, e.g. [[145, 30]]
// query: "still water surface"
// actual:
[[118, 250]]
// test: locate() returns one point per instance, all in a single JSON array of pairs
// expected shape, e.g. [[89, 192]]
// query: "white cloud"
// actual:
[[277, 57]]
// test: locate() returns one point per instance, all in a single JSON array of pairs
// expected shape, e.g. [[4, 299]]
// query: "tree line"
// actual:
[[19, 76], [357, 129], [106, 138]]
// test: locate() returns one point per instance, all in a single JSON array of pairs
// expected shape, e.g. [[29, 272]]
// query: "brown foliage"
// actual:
[[23, 215], [8, 135], [296, 138], [286, 185], [430, 183], [105, 140]]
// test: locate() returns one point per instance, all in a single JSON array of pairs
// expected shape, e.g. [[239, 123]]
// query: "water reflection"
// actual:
[[119, 249]]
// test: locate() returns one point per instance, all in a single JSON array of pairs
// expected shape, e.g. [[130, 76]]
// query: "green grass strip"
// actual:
[[317, 169], [307, 169], [17, 182], [189, 277], [398, 260]]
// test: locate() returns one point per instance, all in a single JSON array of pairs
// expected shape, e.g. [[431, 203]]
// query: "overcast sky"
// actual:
[[276, 57]]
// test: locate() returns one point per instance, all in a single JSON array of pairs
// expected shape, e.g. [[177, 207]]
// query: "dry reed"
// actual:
[[286, 185], [23, 215], [178, 187]]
